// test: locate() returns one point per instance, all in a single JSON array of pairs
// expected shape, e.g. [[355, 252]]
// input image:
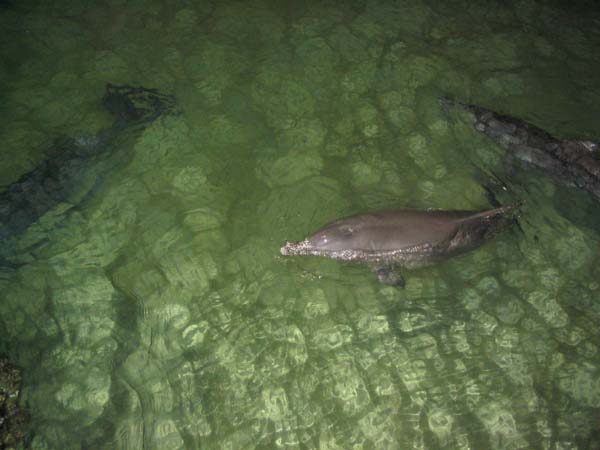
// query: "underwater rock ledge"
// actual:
[[571, 161], [55, 179], [13, 419]]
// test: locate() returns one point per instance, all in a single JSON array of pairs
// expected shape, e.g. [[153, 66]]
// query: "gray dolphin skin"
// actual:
[[391, 240]]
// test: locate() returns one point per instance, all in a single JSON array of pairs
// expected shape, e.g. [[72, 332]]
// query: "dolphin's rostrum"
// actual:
[[409, 239]]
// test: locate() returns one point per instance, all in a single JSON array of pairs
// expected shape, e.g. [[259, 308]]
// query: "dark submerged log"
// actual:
[[573, 161]]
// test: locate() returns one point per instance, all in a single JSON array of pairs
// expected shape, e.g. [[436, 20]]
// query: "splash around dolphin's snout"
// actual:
[[285, 250], [294, 248]]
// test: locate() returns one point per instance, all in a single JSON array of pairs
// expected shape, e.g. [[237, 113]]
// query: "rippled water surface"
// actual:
[[155, 312]]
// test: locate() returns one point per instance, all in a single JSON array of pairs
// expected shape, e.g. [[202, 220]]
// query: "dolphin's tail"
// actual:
[[483, 226], [494, 184], [510, 214], [499, 211]]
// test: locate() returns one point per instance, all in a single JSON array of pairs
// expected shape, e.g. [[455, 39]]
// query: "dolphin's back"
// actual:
[[387, 230]]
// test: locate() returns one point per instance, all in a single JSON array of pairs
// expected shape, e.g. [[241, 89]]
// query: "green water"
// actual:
[[158, 313]]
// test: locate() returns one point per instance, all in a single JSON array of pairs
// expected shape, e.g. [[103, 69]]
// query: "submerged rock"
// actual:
[[573, 161], [12, 418]]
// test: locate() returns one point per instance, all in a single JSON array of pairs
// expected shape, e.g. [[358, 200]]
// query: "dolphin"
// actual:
[[391, 240]]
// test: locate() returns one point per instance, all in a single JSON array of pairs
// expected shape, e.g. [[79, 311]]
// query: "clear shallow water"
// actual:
[[158, 313]]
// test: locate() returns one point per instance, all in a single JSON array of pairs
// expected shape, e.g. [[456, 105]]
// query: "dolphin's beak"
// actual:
[[295, 248]]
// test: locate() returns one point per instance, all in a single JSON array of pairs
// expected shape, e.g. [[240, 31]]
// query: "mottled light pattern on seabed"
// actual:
[[158, 314]]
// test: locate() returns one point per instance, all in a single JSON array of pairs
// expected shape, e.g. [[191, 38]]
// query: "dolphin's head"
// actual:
[[335, 237]]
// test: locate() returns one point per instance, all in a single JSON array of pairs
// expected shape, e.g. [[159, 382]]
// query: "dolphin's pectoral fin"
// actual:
[[389, 276]]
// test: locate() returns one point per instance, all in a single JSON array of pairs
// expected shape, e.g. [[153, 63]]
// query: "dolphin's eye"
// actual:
[[347, 231]]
